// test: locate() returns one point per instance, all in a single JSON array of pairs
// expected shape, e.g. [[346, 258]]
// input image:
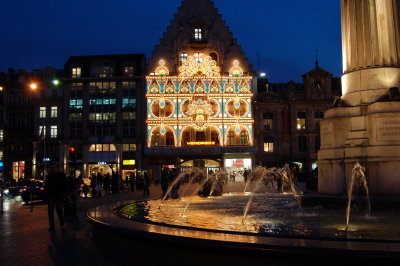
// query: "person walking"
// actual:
[[146, 184], [55, 187], [164, 181], [132, 181]]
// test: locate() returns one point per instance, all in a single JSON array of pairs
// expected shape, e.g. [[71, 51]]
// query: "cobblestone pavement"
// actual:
[[25, 240]]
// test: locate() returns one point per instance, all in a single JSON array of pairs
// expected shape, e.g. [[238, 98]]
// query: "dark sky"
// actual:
[[285, 33]]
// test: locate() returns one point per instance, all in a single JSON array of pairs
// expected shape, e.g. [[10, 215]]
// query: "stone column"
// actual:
[[371, 49]]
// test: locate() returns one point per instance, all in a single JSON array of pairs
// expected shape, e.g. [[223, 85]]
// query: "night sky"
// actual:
[[285, 33]]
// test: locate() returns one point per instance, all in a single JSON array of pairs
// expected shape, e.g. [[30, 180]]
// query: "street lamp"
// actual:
[[33, 86], [56, 82]]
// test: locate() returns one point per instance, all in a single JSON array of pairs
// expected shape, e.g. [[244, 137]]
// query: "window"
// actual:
[[75, 117], [317, 143], [318, 117], [53, 132], [76, 72], [103, 70], [302, 141], [268, 144], [129, 115], [129, 71], [128, 147], [301, 121], [102, 117], [102, 101], [42, 112], [198, 36], [214, 57], [128, 84], [126, 103], [42, 129], [268, 121], [1, 135], [183, 57], [54, 111], [198, 57], [76, 103], [102, 147]]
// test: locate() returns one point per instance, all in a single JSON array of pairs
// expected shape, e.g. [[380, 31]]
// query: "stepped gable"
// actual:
[[217, 38]]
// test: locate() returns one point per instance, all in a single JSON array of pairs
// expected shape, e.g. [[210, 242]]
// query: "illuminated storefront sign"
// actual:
[[128, 162], [101, 163], [201, 143]]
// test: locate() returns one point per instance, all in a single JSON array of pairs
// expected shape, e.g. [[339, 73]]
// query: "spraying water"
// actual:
[[357, 177]]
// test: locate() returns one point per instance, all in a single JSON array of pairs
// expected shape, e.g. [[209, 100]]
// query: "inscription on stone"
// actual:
[[388, 129], [327, 135]]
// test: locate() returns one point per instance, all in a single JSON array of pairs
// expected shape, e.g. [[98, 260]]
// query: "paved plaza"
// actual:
[[24, 239]]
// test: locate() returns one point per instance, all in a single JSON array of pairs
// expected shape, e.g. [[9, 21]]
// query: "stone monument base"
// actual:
[[369, 134]]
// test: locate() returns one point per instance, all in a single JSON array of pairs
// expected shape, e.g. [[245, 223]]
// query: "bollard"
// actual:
[[31, 201]]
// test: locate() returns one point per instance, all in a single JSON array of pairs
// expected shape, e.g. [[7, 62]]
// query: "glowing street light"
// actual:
[[1, 88], [33, 86], [56, 82]]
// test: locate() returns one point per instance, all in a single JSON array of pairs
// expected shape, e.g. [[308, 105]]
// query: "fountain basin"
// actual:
[[131, 220]]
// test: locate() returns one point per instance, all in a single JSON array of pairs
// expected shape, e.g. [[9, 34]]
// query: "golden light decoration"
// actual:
[[161, 70], [200, 108], [236, 70], [200, 66]]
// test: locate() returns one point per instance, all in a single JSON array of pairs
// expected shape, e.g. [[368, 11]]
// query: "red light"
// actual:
[[24, 189], [41, 188], [71, 149]]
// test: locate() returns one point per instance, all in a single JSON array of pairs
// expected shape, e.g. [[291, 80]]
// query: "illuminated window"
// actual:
[[42, 129], [54, 111], [76, 103], [155, 138], [301, 121], [129, 115], [102, 101], [42, 112], [53, 132], [102, 147], [1, 135], [268, 144], [128, 147], [76, 72], [183, 57], [198, 57], [198, 36], [268, 120], [129, 71], [128, 103]]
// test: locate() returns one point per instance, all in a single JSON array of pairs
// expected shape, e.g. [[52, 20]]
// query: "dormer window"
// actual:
[[102, 70], [76, 72], [198, 35]]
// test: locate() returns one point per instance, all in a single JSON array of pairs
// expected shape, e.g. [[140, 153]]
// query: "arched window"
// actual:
[[238, 136], [214, 56], [155, 138]]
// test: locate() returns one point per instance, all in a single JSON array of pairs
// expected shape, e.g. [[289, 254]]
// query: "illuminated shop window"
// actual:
[[42, 112], [269, 144], [301, 121], [198, 35], [76, 72]]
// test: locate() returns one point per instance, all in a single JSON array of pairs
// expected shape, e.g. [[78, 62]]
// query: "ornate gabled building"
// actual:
[[199, 94], [287, 117]]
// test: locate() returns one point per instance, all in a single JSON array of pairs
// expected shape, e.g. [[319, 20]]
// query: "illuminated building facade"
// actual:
[[199, 94]]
